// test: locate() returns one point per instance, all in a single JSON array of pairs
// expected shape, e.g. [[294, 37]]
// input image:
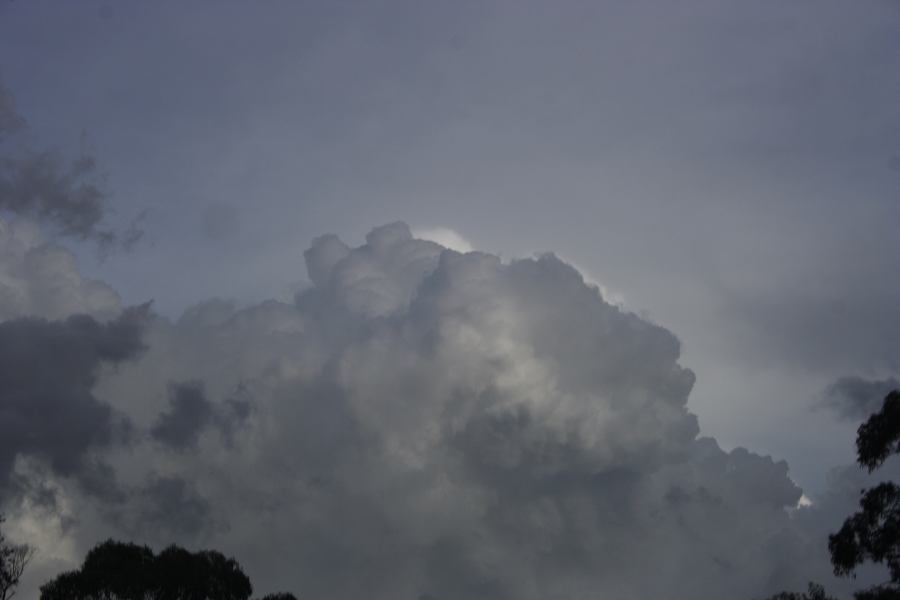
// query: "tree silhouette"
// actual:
[[124, 571], [813, 592], [13, 560], [879, 437], [873, 533]]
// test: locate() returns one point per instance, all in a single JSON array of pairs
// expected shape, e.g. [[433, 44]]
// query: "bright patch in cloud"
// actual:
[[445, 237]]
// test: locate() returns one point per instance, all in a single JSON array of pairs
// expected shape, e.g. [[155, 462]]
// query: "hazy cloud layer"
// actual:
[[425, 423], [10, 119], [66, 193]]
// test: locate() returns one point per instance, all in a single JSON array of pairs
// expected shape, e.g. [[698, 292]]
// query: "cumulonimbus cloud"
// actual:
[[422, 423]]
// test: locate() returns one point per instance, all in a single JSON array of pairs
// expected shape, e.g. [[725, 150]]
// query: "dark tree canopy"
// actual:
[[879, 437], [122, 571], [880, 592], [873, 533], [201, 575]]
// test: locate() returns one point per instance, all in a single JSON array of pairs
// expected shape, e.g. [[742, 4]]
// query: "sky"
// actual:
[[486, 299]]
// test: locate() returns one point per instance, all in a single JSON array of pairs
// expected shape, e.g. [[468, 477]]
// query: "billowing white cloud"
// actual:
[[428, 424]]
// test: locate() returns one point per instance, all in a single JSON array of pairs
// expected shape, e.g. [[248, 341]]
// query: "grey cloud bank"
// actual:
[[425, 423], [725, 166]]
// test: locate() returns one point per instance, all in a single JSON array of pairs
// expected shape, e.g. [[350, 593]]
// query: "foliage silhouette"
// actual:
[[879, 437], [13, 560], [873, 533], [813, 592], [124, 571]]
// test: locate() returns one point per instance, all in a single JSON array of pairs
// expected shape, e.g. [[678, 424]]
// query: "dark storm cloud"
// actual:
[[191, 412], [48, 370], [66, 193], [46, 186], [232, 415], [855, 398], [170, 507]]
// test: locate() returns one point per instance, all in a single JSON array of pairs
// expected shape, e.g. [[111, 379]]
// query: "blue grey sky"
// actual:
[[727, 170]]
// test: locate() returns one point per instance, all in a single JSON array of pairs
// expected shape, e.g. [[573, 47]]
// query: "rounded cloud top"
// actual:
[[425, 423]]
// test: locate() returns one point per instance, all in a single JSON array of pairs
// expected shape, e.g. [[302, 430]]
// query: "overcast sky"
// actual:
[[726, 172]]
